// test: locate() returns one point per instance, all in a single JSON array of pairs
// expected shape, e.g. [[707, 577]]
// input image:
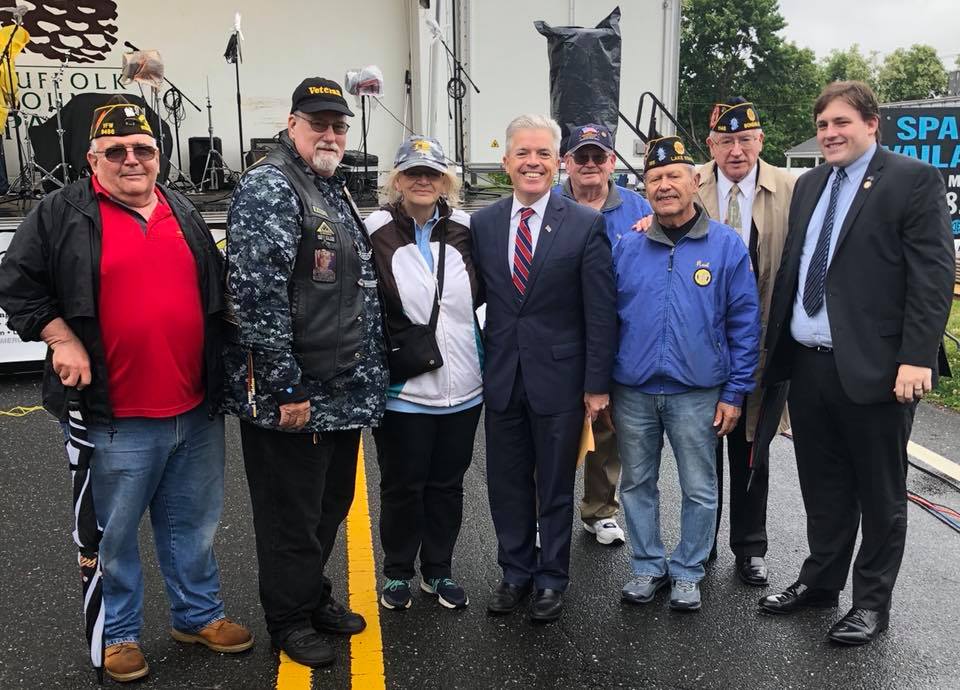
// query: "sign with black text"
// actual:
[[933, 136]]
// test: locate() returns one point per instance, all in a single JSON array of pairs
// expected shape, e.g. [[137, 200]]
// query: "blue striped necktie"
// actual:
[[523, 252], [817, 271]]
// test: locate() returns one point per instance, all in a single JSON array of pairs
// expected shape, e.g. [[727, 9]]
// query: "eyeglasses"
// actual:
[[745, 142], [416, 173], [581, 157], [338, 127], [118, 153]]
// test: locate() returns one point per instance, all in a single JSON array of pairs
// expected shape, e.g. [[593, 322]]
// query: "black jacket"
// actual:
[[52, 269], [889, 284]]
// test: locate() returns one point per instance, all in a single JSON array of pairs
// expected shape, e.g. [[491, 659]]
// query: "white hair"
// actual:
[[534, 122]]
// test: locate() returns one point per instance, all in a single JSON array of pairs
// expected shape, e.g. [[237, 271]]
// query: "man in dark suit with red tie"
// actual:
[[550, 335], [858, 311]]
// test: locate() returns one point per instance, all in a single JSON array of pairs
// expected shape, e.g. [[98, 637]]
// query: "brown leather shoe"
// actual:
[[221, 636], [124, 662]]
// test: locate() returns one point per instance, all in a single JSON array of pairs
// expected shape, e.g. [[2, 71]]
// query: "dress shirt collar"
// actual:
[[539, 206], [747, 185], [856, 170]]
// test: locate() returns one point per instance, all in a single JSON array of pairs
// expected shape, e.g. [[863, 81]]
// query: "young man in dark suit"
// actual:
[[550, 331], [860, 303]]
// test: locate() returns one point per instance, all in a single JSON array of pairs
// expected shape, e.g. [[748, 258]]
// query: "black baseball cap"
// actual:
[[316, 93]]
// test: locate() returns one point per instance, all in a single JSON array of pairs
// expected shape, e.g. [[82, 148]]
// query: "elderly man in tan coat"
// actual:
[[752, 197]]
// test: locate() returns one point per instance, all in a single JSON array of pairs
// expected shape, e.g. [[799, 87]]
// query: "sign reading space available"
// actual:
[[933, 136]]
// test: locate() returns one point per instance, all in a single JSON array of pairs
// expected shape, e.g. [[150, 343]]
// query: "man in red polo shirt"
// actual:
[[122, 280]]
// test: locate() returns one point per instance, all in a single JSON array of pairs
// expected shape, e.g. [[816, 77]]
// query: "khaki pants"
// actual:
[[601, 474]]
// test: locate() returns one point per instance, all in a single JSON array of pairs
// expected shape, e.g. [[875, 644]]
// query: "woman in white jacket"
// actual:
[[425, 441]]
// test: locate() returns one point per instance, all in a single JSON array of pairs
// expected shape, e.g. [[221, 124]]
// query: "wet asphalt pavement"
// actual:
[[599, 642]]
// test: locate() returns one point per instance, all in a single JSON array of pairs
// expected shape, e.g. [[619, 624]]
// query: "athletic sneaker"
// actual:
[[685, 595], [448, 593], [395, 595], [607, 530], [643, 588]]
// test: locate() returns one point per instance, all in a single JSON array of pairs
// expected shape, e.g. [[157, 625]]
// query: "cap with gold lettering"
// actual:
[[119, 118], [736, 115], [665, 151], [316, 94]]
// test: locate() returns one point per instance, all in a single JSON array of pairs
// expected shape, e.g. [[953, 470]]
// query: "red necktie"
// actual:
[[522, 252]]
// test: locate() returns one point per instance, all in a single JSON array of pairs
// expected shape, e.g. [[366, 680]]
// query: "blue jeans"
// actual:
[[641, 419], [174, 466]]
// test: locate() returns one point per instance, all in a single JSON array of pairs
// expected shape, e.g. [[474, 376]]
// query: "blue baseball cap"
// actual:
[[420, 152], [590, 135]]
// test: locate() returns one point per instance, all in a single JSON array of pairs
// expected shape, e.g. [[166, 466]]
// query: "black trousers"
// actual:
[[852, 463], [748, 510], [531, 466], [301, 487], [422, 458]]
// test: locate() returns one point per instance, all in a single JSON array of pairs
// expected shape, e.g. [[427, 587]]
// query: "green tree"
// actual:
[[731, 49], [842, 65], [912, 74]]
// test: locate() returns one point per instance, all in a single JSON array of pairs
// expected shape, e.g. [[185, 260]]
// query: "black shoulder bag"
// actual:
[[413, 350]]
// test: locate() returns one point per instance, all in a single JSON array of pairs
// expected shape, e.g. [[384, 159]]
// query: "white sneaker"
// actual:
[[607, 530]]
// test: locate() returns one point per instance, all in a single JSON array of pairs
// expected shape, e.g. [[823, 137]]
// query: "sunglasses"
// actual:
[[118, 154], [598, 157], [321, 127], [415, 173]]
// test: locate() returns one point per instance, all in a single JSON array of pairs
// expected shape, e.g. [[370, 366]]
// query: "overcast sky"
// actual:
[[881, 25]]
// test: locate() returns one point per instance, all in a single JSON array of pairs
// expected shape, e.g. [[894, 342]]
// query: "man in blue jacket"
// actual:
[[589, 161], [689, 344]]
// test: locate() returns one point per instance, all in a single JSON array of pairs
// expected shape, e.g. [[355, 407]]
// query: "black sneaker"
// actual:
[[333, 617], [448, 593], [306, 647], [395, 595]]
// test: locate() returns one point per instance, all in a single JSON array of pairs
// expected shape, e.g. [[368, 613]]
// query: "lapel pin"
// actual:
[[868, 183], [548, 228]]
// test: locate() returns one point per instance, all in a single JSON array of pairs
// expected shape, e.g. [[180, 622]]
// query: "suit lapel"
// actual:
[[805, 205], [870, 178], [549, 229], [708, 191]]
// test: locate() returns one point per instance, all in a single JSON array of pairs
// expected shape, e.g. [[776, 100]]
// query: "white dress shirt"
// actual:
[[748, 188], [533, 222]]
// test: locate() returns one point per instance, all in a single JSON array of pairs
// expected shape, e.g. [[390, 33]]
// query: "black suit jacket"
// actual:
[[563, 333], [889, 284]]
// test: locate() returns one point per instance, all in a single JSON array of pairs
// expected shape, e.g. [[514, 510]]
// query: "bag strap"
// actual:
[[434, 315]]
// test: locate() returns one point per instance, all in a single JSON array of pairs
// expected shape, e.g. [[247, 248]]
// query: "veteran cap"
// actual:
[[420, 152], [315, 94], [666, 151], [735, 115], [590, 135], [118, 118]]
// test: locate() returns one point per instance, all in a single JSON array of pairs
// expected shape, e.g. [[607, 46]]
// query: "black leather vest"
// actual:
[[326, 300]]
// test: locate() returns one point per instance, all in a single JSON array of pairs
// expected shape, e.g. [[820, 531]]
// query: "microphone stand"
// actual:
[[236, 72], [129, 45]]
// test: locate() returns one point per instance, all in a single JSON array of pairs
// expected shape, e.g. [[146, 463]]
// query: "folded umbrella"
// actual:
[[86, 531], [772, 402]]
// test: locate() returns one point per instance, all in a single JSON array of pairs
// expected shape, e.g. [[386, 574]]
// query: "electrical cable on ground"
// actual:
[[20, 411]]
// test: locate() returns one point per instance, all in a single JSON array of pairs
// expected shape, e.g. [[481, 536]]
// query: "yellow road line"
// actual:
[[366, 649], [936, 461], [293, 676]]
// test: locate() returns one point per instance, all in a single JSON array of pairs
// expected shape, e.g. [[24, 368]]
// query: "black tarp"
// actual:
[[584, 73], [77, 114]]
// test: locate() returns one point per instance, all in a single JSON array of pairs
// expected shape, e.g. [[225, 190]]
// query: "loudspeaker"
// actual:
[[258, 149], [198, 148]]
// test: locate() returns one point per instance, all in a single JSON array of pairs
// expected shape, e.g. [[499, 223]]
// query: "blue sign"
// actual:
[[933, 136]]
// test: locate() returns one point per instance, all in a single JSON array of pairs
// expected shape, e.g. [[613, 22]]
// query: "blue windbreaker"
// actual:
[[689, 314], [620, 211]]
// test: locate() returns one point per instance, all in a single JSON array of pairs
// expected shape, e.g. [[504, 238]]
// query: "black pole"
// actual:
[[362, 189], [236, 66]]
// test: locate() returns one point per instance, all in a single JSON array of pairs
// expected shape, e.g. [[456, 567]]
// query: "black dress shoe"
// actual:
[[798, 596], [547, 606], [506, 598], [752, 570], [335, 618], [306, 647], [859, 626]]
